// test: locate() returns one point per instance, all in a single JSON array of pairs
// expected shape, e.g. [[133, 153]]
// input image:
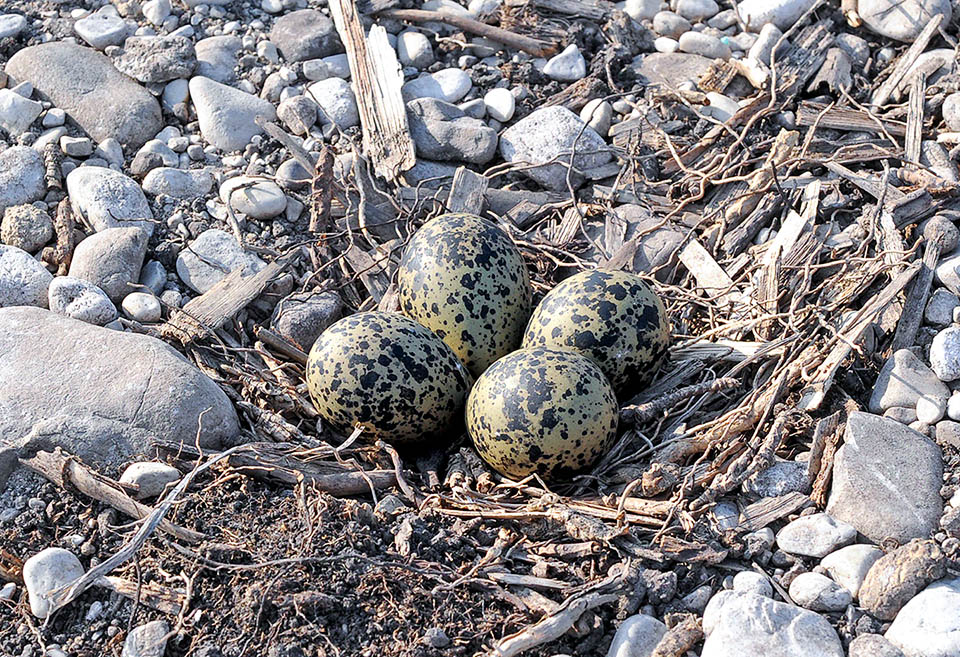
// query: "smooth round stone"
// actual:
[[817, 592], [23, 280], [848, 566], [568, 66], [157, 11], [637, 635], [951, 112], [500, 104], [750, 582], [598, 114], [80, 300], [705, 45], [815, 535], [150, 476], [930, 410], [258, 199], [953, 407], [902, 19], [177, 183], [272, 6], [640, 10], [413, 49], [337, 102], [449, 84], [940, 306], [697, 10], [16, 112], [666, 44], [141, 307], [945, 354], [669, 24], [11, 25], [721, 107], [45, 572]]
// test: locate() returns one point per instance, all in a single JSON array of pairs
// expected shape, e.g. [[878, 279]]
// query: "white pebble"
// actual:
[[930, 410], [46, 571], [500, 104], [568, 66], [666, 44], [141, 307]]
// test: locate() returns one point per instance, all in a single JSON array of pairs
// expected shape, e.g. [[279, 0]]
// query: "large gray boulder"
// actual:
[[99, 393], [886, 480], [547, 138], [84, 83], [737, 624]]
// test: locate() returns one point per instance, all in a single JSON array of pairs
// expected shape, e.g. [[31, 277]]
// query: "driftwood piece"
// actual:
[[711, 279], [680, 638], [578, 94], [61, 254], [468, 192], [535, 47], [67, 472], [372, 270], [851, 333], [162, 598], [554, 626], [291, 464], [770, 509], [916, 302], [736, 241], [595, 10], [218, 305], [782, 150], [834, 73], [376, 81], [906, 61], [810, 113], [914, 136]]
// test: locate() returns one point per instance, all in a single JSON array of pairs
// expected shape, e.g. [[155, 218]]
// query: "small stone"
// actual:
[[157, 59], [76, 146], [301, 318], [177, 183], [953, 407], [228, 116], [939, 311], [305, 34], [413, 49], [150, 477], [697, 11], [336, 101], [931, 410], [500, 104], [217, 58], [435, 637], [942, 228], [721, 107], [768, 38], [873, 645], [148, 640], [111, 260], [141, 307], [669, 24], [23, 280], [945, 354], [819, 593], [903, 380], [449, 84], [157, 11], [901, 414], [11, 25], [666, 45], [936, 158], [108, 199], [298, 114], [256, 198], [747, 581], [637, 636], [902, 19], [17, 113], [54, 117], [26, 227], [45, 572], [567, 66], [101, 30], [848, 566], [705, 45], [21, 176], [696, 601], [898, 576], [743, 623], [815, 535], [598, 114], [8, 589], [210, 257], [781, 478], [640, 10], [951, 111], [81, 300]]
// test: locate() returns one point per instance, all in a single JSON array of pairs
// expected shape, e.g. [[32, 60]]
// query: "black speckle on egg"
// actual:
[[463, 278], [405, 385], [613, 318], [542, 411]]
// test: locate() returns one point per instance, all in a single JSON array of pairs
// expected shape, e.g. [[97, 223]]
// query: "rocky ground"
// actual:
[[784, 172]]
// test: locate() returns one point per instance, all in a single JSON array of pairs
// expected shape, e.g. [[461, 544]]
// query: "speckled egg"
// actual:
[[389, 374], [540, 410], [613, 318], [463, 278]]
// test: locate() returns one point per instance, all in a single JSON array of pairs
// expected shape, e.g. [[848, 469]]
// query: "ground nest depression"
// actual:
[[269, 382]]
